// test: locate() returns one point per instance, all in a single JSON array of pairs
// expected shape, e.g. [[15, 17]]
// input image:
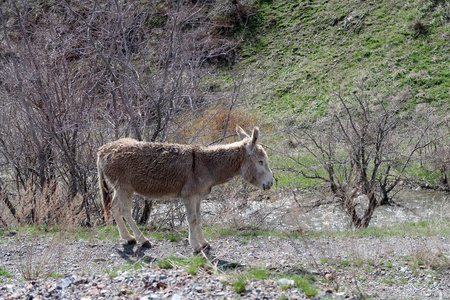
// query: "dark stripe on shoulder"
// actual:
[[193, 159]]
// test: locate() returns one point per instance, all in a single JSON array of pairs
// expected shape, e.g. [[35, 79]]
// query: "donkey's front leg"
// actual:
[[203, 242], [196, 239]]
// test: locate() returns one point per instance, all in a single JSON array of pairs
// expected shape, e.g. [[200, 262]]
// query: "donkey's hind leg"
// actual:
[[118, 212], [127, 205]]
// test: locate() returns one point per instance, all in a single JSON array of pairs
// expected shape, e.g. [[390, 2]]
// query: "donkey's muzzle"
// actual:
[[267, 186]]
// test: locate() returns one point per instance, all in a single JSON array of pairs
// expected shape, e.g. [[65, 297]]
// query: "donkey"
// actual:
[[161, 171]]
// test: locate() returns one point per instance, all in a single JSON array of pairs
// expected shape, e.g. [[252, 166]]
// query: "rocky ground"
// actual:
[[410, 267]]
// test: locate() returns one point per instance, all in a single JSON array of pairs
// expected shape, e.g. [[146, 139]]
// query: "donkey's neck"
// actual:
[[223, 162]]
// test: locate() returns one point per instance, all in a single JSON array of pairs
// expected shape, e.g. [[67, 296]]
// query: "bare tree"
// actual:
[[439, 154], [49, 100], [361, 150], [74, 75]]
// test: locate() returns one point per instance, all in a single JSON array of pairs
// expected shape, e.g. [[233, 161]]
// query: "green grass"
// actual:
[[247, 231], [170, 236], [306, 284], [192, 265], [259, 273], [389, 281], [425, 227], [171, 262], [165, 264], [5, 273], [317, 40], [35, 229], [195, 264], [104, 233], [345, 263], [285, 177], [55, 275], [431, 227], [239, 284], [111, 233], [423, 173], [129, 266], [301, 55]]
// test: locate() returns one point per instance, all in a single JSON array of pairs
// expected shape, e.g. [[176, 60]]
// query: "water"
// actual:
[[299, 212], [411, 206], [292, 211]]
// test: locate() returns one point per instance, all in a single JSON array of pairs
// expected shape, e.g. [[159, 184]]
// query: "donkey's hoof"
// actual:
[[205, 249], [146, 244], [131, 242]]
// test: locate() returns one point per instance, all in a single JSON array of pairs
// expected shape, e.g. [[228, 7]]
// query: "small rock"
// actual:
[[9, 287], [285, 281], [66, 282], [322, 296], [15, 296], [198, 289], [176, 297], [222, 277]]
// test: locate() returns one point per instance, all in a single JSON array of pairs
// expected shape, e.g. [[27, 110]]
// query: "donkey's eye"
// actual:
[[261, 163]]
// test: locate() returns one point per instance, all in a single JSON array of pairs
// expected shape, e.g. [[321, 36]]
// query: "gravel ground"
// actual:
[[376, 267]]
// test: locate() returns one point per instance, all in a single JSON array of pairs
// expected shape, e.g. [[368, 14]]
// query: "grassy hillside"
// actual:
[[301, 53], [309, 49]]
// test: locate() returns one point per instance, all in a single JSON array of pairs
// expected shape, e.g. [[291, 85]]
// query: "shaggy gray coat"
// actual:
[[158, 170]]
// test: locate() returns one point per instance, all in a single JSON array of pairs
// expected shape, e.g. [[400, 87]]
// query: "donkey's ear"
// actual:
[[255, 135], [241, 133]]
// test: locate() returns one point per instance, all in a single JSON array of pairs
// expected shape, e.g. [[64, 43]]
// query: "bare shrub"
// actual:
[[164, 214], [440, 154], [37, 263], [439, 159], [49, 206], [419, 27], [228, 16], [361, 149], [228, 204], [429, 254]]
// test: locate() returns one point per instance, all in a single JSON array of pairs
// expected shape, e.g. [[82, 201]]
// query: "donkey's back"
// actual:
[[153, 170]]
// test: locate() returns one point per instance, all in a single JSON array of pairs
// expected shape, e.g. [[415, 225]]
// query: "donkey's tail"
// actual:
[[105, 193]]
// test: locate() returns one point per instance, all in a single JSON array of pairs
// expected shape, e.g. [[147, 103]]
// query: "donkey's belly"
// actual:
[[155, 190]]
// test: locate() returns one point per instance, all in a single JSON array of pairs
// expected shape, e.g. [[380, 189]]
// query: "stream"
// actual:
[[287, 210], [410, 206]]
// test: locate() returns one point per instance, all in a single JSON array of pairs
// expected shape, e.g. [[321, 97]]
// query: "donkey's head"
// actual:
[[255, 167]]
